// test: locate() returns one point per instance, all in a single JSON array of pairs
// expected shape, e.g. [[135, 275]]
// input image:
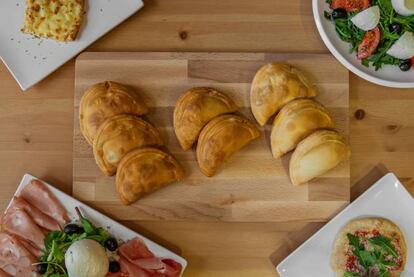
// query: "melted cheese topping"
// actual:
[[56, 19]]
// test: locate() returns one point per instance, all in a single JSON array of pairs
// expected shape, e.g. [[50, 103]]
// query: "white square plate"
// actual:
[[117, 230], [31, 59], [387, 198]]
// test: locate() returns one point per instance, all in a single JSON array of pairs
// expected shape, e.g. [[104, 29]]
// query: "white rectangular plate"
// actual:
[[117, 230], [31, 59], [387, 198]]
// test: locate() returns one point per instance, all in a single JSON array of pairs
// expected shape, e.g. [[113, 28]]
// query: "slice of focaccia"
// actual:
[[55, 19]]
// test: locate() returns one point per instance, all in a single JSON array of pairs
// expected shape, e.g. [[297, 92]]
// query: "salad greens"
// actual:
[[57, 242], [376, 256], [348, 32]]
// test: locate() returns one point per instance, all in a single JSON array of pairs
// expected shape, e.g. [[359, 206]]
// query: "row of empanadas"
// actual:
[[300, 123], [205, 113], [124, 143]]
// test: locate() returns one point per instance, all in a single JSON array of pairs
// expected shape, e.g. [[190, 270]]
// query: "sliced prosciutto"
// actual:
[[136, 252], [31, 248], [4, 274], [40, 218], [15, 260], [19, 223], [37, 194]]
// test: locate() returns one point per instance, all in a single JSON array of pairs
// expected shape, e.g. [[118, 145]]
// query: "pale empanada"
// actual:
[[221, 138], [143, 171], [195, 109], [120, 134], [104, 100], [275, 85], [317, 154], [295, 121]]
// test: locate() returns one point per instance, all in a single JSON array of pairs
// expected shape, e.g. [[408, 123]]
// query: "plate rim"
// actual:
[[27, 177], [378, 183], [340, 57]]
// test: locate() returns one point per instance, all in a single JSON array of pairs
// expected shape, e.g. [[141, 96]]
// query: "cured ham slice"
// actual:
[[4, 274], [19, 223], [132, 270], [15, 260], [31, 248], [37, 194], [135, 249], [40, 218], [136, 252]]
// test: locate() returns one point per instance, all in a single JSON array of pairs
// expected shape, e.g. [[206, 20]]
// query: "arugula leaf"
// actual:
[[385, 244], [352, 274], [88, 227], [368, 258]]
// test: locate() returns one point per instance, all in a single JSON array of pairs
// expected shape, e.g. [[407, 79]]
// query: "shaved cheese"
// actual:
[[367, 19], [403, 48]]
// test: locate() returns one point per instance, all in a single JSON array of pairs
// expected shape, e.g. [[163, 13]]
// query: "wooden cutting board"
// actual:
[[252, 186]]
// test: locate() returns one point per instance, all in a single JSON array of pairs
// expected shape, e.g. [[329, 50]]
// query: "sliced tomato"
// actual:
[[351, 5], [369, 43]]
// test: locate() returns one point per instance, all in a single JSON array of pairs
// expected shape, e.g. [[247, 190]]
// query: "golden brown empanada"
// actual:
[[195, 109], [275, 85], [120, 134], [295, 121], [104, 100], [143, 171], [317, 154], [221, 138]]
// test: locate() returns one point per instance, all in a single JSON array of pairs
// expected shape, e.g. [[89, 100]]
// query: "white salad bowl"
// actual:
[[389, 75]]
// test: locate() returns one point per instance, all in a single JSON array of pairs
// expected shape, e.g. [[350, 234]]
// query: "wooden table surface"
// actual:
[[36, 127]]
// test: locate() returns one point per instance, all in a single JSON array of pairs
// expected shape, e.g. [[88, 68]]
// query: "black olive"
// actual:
[[111, 244], [41, 268], [405, 65], [338, 13], [71, 229], [114, 267], [396, 28]]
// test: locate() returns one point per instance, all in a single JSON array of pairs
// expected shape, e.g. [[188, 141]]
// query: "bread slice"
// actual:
[[55, 19]]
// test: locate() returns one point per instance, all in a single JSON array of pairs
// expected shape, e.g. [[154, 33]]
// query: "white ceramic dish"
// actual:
[[387, 198], [390, 76], [117, 230], [31, 59]]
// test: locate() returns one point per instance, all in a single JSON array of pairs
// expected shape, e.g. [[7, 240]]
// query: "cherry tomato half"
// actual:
[[369, 43], [350, 5]]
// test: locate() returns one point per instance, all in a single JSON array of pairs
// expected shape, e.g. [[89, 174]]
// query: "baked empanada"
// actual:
[[317, 154], [143, 171], [120, 134], [195, 109], [104, 100], [221, 138], [275, 85], [295, 121]]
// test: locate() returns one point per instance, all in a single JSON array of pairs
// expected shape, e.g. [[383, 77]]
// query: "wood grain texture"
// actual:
[[40, 142], [252, 186]]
